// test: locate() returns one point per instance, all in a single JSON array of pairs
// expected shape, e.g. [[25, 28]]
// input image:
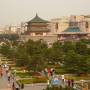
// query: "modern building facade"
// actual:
[[59, 24], [71, 28]]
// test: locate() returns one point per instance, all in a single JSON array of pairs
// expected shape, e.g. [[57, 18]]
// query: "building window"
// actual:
[[73, 24], [87, 25], [56, 27]]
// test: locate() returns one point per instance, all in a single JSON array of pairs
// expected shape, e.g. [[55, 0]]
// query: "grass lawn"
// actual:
[[24, 74], [26, 81], [33, 80], [59, 71], [77, 78]]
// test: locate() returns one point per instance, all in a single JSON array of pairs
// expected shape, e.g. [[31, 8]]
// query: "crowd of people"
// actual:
[[61, 81], [5, 70], [57, 80]]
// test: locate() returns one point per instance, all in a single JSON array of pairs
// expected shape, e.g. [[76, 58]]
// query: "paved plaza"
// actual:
[[35, 87], [4, 83]]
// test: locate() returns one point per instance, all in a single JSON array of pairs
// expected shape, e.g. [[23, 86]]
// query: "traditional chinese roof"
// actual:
[[75, 29], [37, 19]]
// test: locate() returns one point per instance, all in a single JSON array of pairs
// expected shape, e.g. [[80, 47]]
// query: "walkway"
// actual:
[[35, 86], [4, 85]]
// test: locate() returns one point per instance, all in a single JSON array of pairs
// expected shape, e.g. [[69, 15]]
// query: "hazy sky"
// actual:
[[16, 11]]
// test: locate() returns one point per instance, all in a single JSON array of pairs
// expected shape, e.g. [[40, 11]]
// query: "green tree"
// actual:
[[54, 55], [67, 46], [37, 63], [37, 47], [76, 63], [22, 59], [57, 45], [81, 48]]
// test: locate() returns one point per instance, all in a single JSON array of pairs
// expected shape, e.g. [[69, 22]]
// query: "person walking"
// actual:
[[9, 75], [72, 82], [69, 82], [22, 86], [13, 86], [1, 71], [17, 87]]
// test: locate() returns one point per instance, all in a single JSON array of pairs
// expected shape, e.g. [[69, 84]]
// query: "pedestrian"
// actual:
[[1, 71], [7, 70], [46, 72], [72, 82], [17, 86], [22, 86], [13, 86], [8, 75], [62, 77], [48, 82], [69, 82]]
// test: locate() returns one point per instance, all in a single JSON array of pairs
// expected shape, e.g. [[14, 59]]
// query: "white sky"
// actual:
[[16, 11]]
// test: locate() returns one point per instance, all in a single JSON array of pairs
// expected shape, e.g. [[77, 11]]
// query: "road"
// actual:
[[35, 87]]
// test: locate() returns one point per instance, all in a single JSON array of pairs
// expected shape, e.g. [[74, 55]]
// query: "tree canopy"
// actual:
[[35, 55]]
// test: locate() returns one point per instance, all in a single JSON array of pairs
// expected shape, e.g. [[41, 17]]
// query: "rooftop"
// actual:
[[75, 29], [37, 19]]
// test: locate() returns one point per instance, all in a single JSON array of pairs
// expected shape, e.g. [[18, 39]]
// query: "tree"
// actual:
[[86, 41], [67, 46], [54, 55], [22, 59], [57, 45], [37, 47], [76, 63], [37, 63], [81, 48], [5, 49]]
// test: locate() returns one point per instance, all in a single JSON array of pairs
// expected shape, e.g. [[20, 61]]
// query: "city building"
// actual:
[[59, 24], [71, 28], [1, 30], [11, 29], [72, 34], [66, 28], [37, 27]]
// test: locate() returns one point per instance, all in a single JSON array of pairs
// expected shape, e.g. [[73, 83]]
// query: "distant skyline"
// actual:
[[17, 11]]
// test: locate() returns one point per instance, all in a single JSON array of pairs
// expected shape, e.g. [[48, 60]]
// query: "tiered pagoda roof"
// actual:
[[37, 19]]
